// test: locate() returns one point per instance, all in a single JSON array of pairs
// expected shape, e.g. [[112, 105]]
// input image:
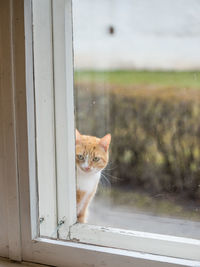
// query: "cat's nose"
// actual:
[[87, 169]]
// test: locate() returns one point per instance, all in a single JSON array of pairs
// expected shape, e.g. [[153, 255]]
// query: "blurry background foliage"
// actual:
[[154, 119]]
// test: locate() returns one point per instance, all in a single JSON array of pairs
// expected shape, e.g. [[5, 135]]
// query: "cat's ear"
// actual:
[[105, 142], [78, 136]]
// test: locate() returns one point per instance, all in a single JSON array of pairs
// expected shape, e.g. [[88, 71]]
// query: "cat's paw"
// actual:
[[81, 219]]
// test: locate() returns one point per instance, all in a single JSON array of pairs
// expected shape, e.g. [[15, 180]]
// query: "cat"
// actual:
[[92, 155]]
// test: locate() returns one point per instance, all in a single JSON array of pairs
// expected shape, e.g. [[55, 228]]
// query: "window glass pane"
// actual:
[[137, 77]]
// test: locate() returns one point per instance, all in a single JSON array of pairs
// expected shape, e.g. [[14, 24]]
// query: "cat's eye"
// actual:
[[80, 157], [96, 159]]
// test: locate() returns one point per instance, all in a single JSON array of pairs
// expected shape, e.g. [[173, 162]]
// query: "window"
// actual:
[[44, 207], [132, 81]]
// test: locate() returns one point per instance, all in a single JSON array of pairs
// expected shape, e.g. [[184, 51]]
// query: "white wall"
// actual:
[[149, 34]]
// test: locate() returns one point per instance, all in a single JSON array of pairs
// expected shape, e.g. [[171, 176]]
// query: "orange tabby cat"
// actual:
[[91, 158]]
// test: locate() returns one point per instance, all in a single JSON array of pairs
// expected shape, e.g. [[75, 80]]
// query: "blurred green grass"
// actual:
[[168, 78]]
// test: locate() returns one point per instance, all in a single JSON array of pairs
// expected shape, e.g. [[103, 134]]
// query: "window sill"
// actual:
[[7, 263]]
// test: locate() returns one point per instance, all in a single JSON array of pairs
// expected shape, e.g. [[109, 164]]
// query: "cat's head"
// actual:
[[92, 153]]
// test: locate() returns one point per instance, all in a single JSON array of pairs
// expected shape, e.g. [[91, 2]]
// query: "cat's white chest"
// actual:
[[87, 182]]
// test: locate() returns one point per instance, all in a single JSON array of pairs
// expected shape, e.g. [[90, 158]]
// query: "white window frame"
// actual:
[[86, 244]]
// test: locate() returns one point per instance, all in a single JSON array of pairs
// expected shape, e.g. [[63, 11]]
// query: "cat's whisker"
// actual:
[[110, 163], [105, 179], [114, 177], [110, 169]]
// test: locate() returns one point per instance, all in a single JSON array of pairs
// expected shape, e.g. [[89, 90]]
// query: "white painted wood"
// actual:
[[29, 208], [31, 133], [60, 253], [3, 211], [11, 80], [44, 104], [3, 195], [165, 245], [3, 188], [7, 263], [64, 115]]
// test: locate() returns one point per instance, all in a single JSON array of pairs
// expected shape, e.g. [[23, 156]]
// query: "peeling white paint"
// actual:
[[165, 245]]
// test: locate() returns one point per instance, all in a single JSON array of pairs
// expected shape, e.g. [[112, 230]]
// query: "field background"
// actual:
[[154, 119]]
